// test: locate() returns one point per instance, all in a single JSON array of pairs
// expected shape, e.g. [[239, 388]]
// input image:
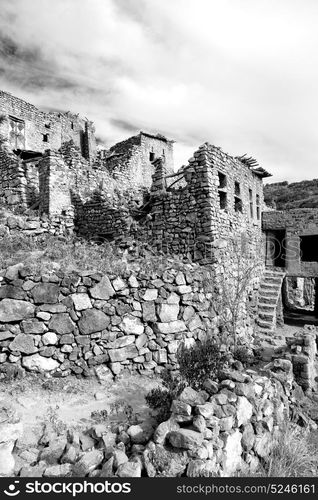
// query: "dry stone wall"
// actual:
[[73, 323]]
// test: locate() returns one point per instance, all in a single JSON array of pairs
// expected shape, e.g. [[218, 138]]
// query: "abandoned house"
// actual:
[[50, 162]]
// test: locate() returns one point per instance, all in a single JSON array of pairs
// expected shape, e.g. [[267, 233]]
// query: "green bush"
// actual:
[[160, 399], [201, 361]]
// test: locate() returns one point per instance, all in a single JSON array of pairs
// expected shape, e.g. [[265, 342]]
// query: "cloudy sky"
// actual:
[[240, 74]]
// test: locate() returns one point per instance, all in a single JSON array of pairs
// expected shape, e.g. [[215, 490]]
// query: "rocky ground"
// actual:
[[72, 405]]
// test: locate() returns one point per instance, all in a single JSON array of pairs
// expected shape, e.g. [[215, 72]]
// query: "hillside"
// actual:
[[283, 195]]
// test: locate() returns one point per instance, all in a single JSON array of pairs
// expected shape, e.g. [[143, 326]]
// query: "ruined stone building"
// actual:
[[50, 163]]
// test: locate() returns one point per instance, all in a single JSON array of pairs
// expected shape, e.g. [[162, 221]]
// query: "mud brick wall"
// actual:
[[73, 323], [296, 223]]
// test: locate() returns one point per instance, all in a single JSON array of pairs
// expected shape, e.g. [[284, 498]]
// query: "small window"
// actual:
[[72, 125], [238, 205], [251, 203], [223, 200], [309, 248], [47, 125], [222, 180], [151, 156], [237, 189], [45, 137], [258, 207]]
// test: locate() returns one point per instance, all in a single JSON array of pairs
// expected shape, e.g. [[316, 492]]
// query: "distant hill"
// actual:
[[283, 195]]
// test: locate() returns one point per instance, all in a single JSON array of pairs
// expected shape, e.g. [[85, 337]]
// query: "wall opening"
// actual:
[[309, 248], [222, 180], [258, 207], [45, 137], [151, 156], [300, 300], [275, 248], [250, 193], [223, 200]]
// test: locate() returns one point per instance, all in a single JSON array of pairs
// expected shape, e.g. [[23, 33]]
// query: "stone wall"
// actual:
[[44, 130], [72, 323], [294, 224], [12, 180]]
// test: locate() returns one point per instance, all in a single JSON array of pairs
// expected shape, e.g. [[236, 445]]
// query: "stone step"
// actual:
[[266, 307], [268, 294], [266, 325], [270, 286], [268, 299], [266, 316]]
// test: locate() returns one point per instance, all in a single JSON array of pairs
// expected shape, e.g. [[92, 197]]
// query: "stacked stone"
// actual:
[[73, 323], [302, 353], [12, 180], [32, 225], [230, 426]]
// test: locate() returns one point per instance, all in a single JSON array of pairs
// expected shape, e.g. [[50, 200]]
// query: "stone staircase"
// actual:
[[268, 295]]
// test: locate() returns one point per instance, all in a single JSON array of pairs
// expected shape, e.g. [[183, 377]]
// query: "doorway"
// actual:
[[275, 248]]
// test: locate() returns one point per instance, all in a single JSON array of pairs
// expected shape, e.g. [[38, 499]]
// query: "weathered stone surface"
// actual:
[[88, 462], [38, 363], [172, 327], [163, 430], [103, 374], [150, 294], [207, 410], [141, 433], [263, 444], [119, 284], [12, 272], [60, 470], [191, 397], [61, 323], [168, 312], [132, 325], [202, 468], [6, 335], [120, 458], [129, 469], [50, 338], [185, 439], [244, 411], [92, 321], [103, 290], [23, 343], [231, 453], [15, 310], [10, 430], [33, 326], [81, 301], [122, 342], [45, 293], [128, 352], [149, 312], [12, 292], [248, 436]]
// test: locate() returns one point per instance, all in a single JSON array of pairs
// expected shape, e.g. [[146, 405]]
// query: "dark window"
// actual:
[[45, 137], [47, 125], [223, 199], [238, 205], [151, 156], [250, 192], [309, 248], [237, 189], [72, 125], [258, 207], [222, 180]]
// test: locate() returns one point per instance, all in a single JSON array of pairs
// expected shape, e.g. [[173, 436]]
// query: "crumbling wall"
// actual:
[[45, 130], [12, 180]]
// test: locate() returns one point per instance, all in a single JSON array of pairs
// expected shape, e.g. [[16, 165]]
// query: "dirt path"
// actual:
[[69, 402]]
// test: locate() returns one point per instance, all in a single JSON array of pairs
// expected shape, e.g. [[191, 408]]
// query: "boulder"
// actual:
[[103, 290], [191, 397], [232, 451], [103, 374], [185, 439], [49, 338], [132, 325], [15, 310], [244, 411], [141, 433], [120, 458], [88, 462], [45, 293], [23, 343], [128, 352], [81, 301], [61, 323], [12, 272], [12, 292], [119, 284], [163, 430], [38, 363], [129, 469], [33, 326], [168, 328], [92, 321], [168, 312]]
